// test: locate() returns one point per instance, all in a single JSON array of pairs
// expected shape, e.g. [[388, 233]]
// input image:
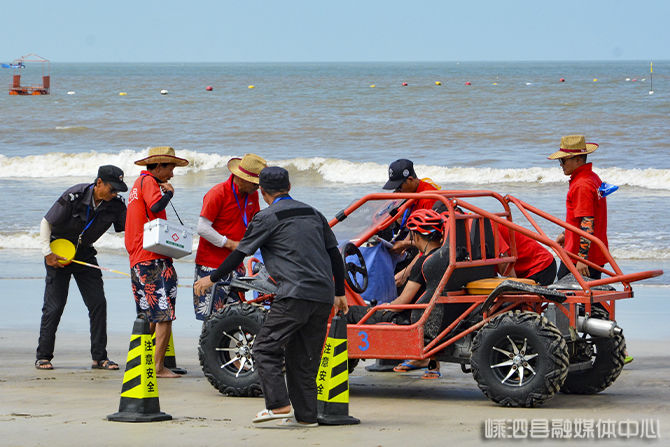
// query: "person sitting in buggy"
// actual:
[[425, 232]]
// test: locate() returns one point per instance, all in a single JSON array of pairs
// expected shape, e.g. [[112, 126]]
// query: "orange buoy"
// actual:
[[562, 80], [468, 83], [209, 88], [404, 84]]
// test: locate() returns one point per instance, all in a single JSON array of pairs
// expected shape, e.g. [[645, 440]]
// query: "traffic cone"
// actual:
[[332, 380], [139, 393], [170, 359]]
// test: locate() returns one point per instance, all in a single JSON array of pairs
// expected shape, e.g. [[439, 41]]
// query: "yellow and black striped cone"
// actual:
[[139, 393], [332, 380], [170, 359]]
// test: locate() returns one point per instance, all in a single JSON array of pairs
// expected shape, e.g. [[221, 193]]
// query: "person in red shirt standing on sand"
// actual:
[[586, 207], [153, 277], [227, 209]]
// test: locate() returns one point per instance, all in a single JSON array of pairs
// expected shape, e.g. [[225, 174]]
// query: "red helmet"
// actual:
[[425, 221]]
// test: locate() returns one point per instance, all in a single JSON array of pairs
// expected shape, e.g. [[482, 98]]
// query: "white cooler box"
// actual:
[[167, 238]]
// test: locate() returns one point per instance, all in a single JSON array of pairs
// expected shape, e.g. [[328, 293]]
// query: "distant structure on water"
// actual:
[[20, 64]]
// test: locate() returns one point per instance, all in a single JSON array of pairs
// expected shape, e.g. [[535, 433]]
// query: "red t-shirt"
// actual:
[[583, 200], [532, 257], [143, 195], [222, 205], [424, 203]]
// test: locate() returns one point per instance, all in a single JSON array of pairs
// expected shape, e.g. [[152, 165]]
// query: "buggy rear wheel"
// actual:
[[226, 348], [519, 359], [599, 361]]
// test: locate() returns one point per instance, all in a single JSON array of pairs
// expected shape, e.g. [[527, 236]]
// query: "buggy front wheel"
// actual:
[[226, 348], [519, 359]]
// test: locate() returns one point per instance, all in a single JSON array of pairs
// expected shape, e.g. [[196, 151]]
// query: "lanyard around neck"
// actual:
[[88, 222], [243, 211], [403, 221], [286, 197]]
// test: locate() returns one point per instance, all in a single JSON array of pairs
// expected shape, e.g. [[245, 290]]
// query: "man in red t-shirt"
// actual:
[[586, 207], [227, 209], [153, 277], [403, 178]]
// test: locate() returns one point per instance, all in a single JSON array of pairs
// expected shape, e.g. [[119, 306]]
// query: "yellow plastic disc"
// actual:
[[64, 249], [122, 93], [251, 86], [373, 86]]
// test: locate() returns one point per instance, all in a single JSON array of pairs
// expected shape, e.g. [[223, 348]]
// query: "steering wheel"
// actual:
[[352, 270]]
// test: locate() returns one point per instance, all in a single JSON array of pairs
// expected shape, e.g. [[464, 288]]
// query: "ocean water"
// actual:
[[336, 134]]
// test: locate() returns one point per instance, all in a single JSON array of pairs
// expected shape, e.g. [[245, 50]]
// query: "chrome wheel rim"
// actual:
[[236, 350], [513, 362]]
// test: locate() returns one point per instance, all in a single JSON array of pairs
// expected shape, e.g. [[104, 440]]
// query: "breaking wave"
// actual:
[[330, 170]]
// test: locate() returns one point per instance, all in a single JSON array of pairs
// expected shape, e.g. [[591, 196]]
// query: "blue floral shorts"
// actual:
[[217, 297], [155, 289]]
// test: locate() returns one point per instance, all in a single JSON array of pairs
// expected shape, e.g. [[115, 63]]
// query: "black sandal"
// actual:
[[105, 364], [43, 364]]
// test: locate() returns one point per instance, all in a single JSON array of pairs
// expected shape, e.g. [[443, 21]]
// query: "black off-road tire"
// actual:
[[550, 365], [608, 362], [229, 320]]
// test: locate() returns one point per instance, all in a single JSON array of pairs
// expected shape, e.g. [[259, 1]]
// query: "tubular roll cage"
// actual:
[[391, 341]]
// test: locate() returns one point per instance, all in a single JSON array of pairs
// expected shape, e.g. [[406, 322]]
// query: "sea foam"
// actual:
[[327, 170]]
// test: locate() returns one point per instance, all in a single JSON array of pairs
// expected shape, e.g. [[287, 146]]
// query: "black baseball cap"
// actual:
[[113, 176], [274, 178], [399, 170]]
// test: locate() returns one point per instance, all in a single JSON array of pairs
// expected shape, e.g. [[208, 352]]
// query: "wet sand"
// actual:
[[68, 406]]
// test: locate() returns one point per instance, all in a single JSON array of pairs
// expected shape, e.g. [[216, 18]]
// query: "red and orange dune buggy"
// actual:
[[522, 342]]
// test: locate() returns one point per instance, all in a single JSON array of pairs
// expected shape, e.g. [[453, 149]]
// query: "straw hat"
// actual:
[[573, 145], [161, 154], [248, 167]]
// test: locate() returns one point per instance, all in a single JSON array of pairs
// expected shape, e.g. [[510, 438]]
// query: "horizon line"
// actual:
[[357, 61]]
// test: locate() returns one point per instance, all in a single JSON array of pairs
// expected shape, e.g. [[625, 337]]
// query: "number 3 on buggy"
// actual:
[[364, 340]]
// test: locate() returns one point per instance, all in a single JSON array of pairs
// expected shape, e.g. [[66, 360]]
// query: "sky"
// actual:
[[337, 30]]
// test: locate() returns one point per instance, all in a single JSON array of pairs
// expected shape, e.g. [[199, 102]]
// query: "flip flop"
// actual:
[[43, 364], [105, 364], [268, 415], [407, 365], [628, 359], [431, 374], [293, 423]]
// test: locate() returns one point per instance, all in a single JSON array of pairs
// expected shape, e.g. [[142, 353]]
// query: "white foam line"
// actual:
[[330, 170]]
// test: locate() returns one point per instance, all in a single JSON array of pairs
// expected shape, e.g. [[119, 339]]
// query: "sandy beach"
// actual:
[[68, 406]]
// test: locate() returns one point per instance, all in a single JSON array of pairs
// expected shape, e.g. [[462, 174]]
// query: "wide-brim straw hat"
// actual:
[[162, 154], [248, 167], [573, 145]]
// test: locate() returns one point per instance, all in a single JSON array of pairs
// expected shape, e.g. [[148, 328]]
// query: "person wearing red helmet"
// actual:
[[426, 228]]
